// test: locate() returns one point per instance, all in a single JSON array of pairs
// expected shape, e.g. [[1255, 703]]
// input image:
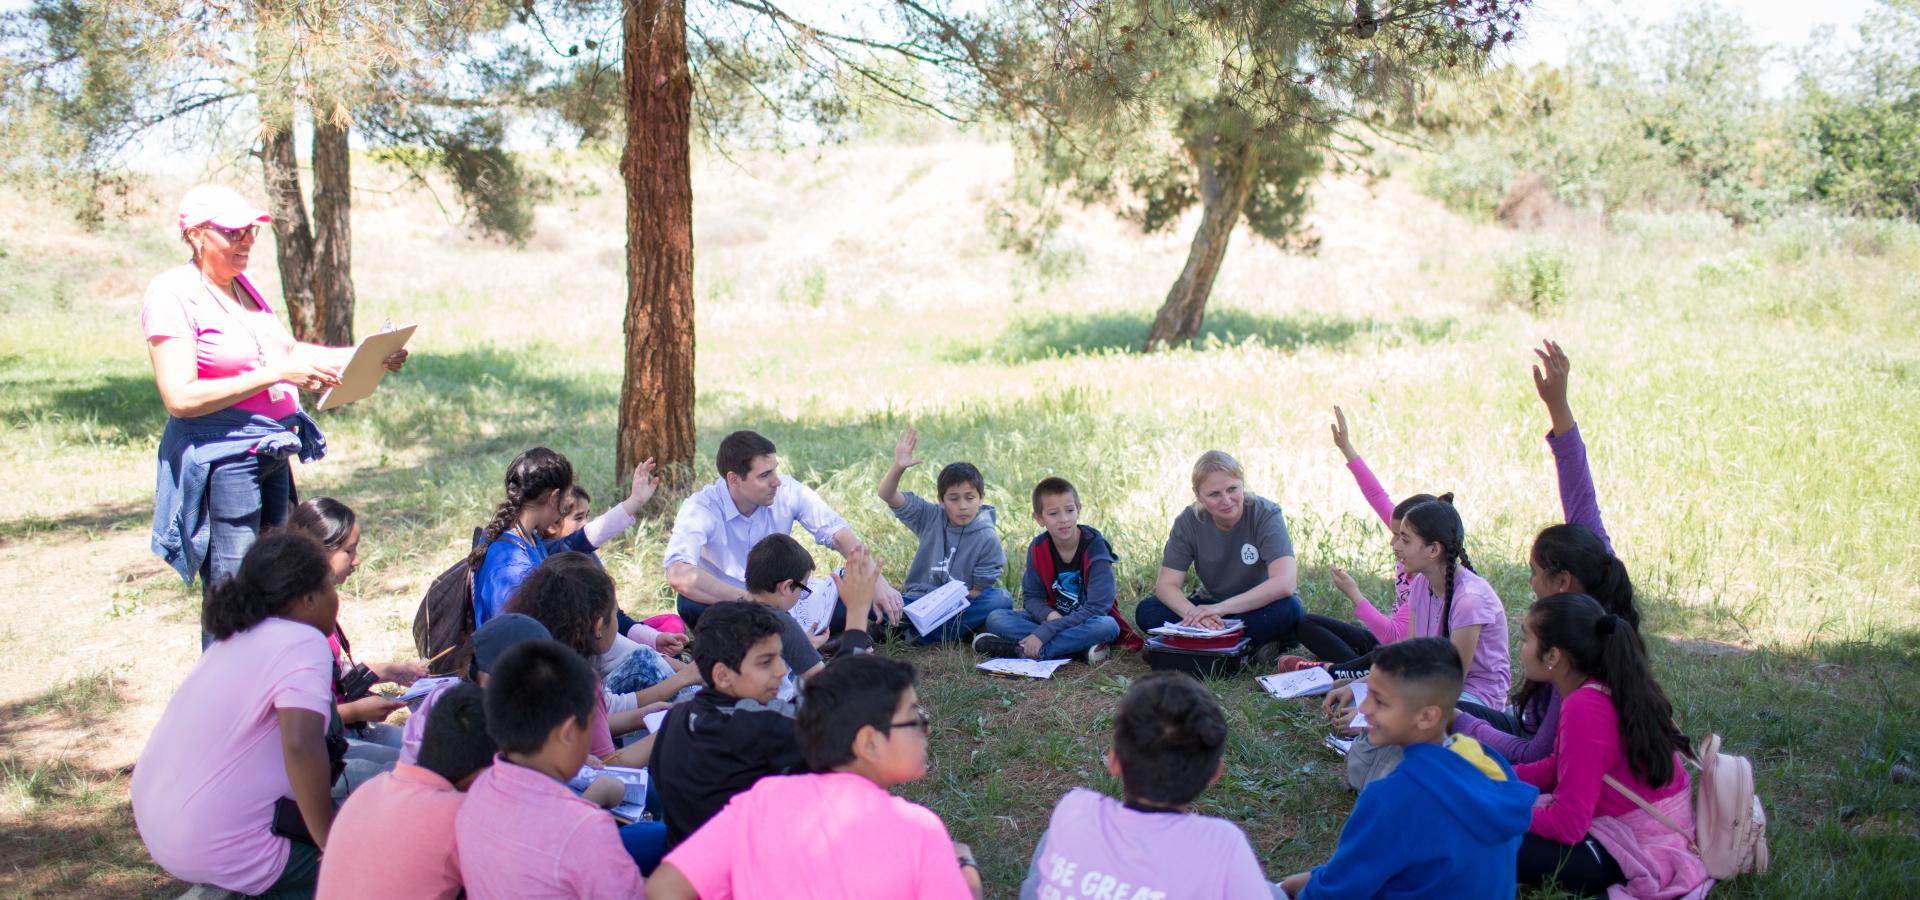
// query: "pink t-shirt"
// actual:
[[1474, 603], [180, 304], [1096, 847], [827, 836], [204, 787], [523, 834], [394, 838]]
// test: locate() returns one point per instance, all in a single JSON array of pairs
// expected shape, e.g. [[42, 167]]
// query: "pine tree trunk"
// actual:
[[656, 396], [1226, 179], [332, 237], [292, 236]]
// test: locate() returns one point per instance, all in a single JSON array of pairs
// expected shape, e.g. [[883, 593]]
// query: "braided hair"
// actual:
[[530, 477], [1437, 522]]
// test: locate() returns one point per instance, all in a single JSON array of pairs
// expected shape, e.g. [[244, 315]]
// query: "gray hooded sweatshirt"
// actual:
[[970, 553]]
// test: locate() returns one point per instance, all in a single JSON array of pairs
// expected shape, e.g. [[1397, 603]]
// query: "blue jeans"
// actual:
[[1273, 623], [646, 842], [243, 497], [1015, 625], [968, 620]]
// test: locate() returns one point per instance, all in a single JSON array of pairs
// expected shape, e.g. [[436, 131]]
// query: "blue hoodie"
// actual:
[[1446, 823]]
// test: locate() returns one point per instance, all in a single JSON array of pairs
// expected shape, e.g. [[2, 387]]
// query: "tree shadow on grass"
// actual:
[[108, 408], [1124, 331]]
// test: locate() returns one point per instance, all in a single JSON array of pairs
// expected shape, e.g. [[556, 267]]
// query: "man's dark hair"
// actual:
[[852, 692], [1170, 736], [1428, 665], [777, 558], [456, 743], [533, 688], [727, 631], [738, 451], [957, 474], [1052, 486]]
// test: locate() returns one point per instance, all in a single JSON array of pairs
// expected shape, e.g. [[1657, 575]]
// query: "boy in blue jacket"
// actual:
[[1472, 809], [1067, 595]]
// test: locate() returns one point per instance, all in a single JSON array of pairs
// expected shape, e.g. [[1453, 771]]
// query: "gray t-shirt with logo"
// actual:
[[1229, 562]]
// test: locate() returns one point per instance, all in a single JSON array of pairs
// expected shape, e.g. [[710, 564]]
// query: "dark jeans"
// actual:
[[301, 877], [1585, 868], [1331, 640], [690, 610], [1270, 624], [243, 498], [1498, 718]]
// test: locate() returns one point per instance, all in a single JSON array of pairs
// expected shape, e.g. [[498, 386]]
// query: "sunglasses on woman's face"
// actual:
[[236, 235]]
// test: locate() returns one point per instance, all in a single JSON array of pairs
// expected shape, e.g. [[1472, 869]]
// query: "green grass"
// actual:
[[1749, 399]]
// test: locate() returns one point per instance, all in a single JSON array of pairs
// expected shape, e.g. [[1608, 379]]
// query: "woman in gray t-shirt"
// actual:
[[1237, 544]]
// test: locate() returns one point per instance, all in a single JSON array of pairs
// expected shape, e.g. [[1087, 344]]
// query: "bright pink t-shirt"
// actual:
[[394, 838], [523, 834], [1474, 603], [204, 787], [180, 304], [827, 836], [1096, 847]]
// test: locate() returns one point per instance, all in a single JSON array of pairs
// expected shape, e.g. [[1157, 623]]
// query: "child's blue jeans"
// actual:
[[1015, 625], [970, 619]]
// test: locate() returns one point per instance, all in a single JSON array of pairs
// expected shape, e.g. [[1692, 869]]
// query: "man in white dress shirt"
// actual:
[[719, 524]]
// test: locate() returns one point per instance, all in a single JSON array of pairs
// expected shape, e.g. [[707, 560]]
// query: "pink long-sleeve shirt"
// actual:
[[1392, 626], [1588, 747]]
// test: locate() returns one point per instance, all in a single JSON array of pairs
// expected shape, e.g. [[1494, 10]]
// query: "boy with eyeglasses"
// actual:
[[777, 571], [837, 833]]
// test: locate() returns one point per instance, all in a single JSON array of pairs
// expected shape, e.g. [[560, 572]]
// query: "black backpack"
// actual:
[[444, 622]]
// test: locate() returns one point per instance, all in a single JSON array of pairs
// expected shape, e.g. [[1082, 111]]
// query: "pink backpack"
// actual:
[[1729, 824]]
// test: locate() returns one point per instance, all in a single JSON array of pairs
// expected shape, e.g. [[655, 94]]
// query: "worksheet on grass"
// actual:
[[1303, 683], [815, 611], [937, 606], [1028, 668]]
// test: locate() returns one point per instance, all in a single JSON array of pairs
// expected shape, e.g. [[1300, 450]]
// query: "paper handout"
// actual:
[[1303, 683], [1359, 694], [1175, 629], [1026, 668], [366, 368], [937, 606], [632, 807], [654, 720], [423, 687], [815, 610]]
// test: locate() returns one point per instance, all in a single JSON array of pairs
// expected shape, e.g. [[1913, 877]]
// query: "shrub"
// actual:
[[1535, 279]]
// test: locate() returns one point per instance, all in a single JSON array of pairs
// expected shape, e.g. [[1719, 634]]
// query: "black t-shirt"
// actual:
[[713, 747], [1068, 588]]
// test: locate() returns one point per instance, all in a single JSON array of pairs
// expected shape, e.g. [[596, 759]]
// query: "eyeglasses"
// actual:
[[920, 721], [236, 235], [805, 591]]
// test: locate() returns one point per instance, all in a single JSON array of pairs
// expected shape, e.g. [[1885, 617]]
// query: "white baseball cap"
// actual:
[[211, 203]]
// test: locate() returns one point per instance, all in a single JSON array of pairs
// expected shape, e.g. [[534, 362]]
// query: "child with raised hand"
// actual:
[[1574, 557], [1470, 808], [1169, 745], [1340, 643], [1067, 596], [512, 545], [735, 730], [405, 818], [957, 538], [665, 633], [1588, 836], [777, 571], [521, 832], [814, 836]]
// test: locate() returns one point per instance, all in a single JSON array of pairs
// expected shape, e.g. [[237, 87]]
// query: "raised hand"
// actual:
[[644, 484], [1550, 381], [1343, 438], [903, 457]]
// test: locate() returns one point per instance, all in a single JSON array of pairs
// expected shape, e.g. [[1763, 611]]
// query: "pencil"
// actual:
[[436, 656]]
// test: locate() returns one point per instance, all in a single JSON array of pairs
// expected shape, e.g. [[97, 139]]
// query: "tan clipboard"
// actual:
[[366, 368]]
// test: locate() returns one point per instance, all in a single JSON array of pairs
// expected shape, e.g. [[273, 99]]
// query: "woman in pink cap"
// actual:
[[230, 375]]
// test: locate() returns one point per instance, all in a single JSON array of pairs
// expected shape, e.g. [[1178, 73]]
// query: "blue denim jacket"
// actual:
[[190, 448]]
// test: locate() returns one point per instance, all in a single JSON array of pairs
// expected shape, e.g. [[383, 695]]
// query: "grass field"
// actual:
[[1751, 400]]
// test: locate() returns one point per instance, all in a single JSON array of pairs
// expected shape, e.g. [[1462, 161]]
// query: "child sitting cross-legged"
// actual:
[[1470, 808], [735, 730], [1067, 595], [837, 833], [957, 539], [521, 832], [404, 818], [1169, 745]]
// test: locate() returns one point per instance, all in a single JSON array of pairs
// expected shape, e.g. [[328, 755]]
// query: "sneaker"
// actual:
[[1267, 655], [996, 647], [1096, 654], [1295, 664]]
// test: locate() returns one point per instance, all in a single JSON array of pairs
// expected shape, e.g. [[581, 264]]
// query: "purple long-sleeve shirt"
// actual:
[[1581, 507]]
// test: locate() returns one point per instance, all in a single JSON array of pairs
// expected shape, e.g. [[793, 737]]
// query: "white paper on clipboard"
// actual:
[[366, 368]]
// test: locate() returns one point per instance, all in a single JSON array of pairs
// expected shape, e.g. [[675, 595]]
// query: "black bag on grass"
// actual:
[[445, 619]]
